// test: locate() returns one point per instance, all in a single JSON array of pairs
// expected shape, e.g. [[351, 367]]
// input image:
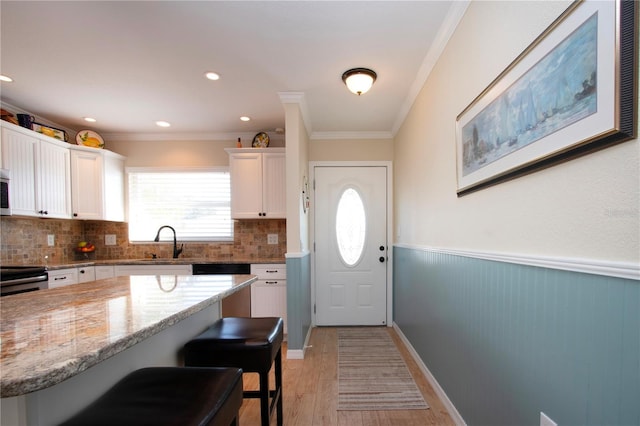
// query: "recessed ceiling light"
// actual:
[[245, 118], [5, 78], [89, 119], [212, 76], [163, 123]]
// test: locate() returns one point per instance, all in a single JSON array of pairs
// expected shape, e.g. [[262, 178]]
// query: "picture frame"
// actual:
[[571, 92], [52, 132]]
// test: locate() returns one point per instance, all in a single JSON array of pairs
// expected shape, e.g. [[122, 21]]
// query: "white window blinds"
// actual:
[[197, 203]]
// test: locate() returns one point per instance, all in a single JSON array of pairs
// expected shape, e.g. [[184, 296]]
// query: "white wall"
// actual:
[[351, 150], [167, 153], [587, 208]]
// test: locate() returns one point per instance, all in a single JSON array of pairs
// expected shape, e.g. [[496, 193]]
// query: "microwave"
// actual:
[[5, 205]]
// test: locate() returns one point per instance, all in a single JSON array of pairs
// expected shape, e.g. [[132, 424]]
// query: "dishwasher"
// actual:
[[239, 303]]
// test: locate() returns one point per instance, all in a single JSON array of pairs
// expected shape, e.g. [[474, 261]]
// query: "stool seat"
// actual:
[[232, 342], [252, 344], [168, 396]]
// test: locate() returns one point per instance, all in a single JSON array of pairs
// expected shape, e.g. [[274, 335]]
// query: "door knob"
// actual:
[[381, 248], [381, 259]]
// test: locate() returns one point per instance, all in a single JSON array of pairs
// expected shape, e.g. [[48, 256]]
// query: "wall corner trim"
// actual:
[[294, 255], [588, 266]]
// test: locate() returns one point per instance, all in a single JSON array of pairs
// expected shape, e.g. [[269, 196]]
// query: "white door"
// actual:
[[350, 245]]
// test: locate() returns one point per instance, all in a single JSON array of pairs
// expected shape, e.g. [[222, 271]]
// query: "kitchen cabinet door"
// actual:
[[40, 173], [258, 186], [104, 271], [86, 183], [274, 200], [269, 291], [54, 181], [86, 274], [97, 184], [19, 157]]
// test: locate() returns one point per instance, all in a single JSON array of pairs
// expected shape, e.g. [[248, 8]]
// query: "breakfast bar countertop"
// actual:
[[51, 335]]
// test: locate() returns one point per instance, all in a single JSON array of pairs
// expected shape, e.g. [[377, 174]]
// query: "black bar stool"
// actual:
[[175, 396], [252, 344]]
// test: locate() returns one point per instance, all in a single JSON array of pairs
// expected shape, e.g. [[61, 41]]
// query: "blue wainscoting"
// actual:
[[298, 300], [507, 341]]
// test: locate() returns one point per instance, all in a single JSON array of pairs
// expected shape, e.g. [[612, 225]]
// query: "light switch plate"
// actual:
[[272, 238], [110, 240], [51, 240]]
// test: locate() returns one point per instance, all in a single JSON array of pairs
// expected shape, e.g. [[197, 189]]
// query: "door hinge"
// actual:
[[314, 308], [314, 246]]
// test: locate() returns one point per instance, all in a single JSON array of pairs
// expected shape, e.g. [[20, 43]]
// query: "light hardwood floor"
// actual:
[[311, 391]]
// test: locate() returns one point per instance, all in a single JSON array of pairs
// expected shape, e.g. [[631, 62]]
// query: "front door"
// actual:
[[350, 245]]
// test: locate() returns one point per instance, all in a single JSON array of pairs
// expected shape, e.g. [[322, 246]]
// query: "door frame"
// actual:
[[390, 235]]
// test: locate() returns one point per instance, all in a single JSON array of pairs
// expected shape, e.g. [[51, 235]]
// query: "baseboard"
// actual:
[[295, 353], [299, 353], [448, 405]]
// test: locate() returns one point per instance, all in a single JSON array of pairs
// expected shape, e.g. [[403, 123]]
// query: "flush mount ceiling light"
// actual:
[[163, 124], [245, 118], [212, 75], [6, 78], [359, 80]]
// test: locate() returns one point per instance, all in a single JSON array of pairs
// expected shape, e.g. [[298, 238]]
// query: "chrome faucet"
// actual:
[[176, 250]]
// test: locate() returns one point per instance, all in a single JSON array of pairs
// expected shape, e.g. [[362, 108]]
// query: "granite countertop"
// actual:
[[164, 261], [51, 335]]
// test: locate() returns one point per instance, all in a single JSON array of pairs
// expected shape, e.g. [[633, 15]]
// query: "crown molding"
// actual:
[[300, 99], [451, 21], [246, 137]]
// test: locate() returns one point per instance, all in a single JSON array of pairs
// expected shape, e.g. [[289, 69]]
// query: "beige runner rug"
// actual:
[[372, 374]]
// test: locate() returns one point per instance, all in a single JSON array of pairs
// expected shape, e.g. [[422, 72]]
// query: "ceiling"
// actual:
[[131, 63]]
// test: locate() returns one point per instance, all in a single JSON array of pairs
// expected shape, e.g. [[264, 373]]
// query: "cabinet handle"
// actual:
[[271, 282], [81, 271], [272, 271], [75, 215], [59, 278]]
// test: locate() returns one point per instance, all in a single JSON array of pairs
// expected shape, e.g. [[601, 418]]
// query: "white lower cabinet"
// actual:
[[68, 276], [121, 270], [105, 271], [86, 274], [269, 291], [63, 277]]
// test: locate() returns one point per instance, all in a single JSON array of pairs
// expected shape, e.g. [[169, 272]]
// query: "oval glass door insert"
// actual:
[[351, 226]]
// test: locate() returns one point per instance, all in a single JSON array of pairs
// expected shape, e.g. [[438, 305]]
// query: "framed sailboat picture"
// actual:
[[572, 91]]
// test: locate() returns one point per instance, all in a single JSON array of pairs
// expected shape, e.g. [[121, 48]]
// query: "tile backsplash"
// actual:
[[23, 240]]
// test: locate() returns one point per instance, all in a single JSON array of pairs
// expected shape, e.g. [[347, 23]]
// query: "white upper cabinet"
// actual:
[[97, 182], [40, 173], [258, 183]]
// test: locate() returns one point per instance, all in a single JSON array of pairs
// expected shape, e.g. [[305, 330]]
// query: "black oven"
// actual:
[[22, 279]]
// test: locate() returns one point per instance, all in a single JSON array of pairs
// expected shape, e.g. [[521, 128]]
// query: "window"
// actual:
[[351, 226], [197, 203]]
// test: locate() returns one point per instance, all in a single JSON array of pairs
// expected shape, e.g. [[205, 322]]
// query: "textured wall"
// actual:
[[507, 341], [24, 241]]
